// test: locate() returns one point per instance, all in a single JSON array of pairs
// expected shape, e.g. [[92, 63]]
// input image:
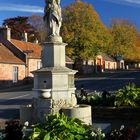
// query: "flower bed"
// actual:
[[56, 127], [60, 127], [128, 96], [122, 104]]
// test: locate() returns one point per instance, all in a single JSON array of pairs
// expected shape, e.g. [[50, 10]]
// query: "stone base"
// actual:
[[38, 112], [82, 112], [26, 114], [41, 108]]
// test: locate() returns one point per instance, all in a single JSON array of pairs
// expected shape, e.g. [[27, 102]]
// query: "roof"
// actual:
[[119, 58], [69, 60], [107, 58], [33, 50], [7, 56]]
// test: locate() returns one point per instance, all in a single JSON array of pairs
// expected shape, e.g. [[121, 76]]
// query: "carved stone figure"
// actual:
[[53, 18]]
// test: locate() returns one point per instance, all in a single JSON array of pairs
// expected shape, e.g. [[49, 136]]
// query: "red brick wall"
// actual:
[[6, 71], [33, 65], [110, 65]]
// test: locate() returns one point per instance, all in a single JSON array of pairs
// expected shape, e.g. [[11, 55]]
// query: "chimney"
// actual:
[[25, 37], [5, 32]]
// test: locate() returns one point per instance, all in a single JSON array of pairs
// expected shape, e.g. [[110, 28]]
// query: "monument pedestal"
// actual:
[[54, 87], [53, 83]]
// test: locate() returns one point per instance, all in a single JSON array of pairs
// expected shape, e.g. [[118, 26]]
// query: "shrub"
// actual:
[[60, 127], [13, 130], [97, 99], [127, 96], [94, 100]]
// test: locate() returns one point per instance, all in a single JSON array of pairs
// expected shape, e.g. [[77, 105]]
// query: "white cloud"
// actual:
[[21, 8], [132, 3]]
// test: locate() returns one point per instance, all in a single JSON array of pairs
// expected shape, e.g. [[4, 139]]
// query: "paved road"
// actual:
[[10, 101], [114, 82]]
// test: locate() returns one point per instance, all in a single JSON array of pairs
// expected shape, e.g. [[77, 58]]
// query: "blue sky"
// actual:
[[107, 9]]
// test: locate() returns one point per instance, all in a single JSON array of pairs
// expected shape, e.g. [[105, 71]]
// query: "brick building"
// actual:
[[18, 58], [102, 63], [109, 63]]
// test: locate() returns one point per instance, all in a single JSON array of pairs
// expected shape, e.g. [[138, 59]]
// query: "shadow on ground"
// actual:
[[15, 101], [9, 114], [28, 87], [9, 109]]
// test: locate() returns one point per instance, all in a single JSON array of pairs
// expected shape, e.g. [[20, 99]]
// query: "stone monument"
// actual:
[[54, 88]]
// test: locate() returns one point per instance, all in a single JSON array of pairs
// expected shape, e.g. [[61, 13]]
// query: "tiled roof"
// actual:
[[107, 58], [33, 49], [7, 56]]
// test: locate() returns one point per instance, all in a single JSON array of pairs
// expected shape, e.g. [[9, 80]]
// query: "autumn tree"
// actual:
[[19, 25], [124, 35], [135, 52], [83, 30]]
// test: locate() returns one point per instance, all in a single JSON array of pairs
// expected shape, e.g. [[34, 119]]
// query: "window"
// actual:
[[15, 74]]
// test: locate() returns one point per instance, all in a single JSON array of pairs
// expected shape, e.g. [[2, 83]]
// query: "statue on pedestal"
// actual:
[[53, 19]]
